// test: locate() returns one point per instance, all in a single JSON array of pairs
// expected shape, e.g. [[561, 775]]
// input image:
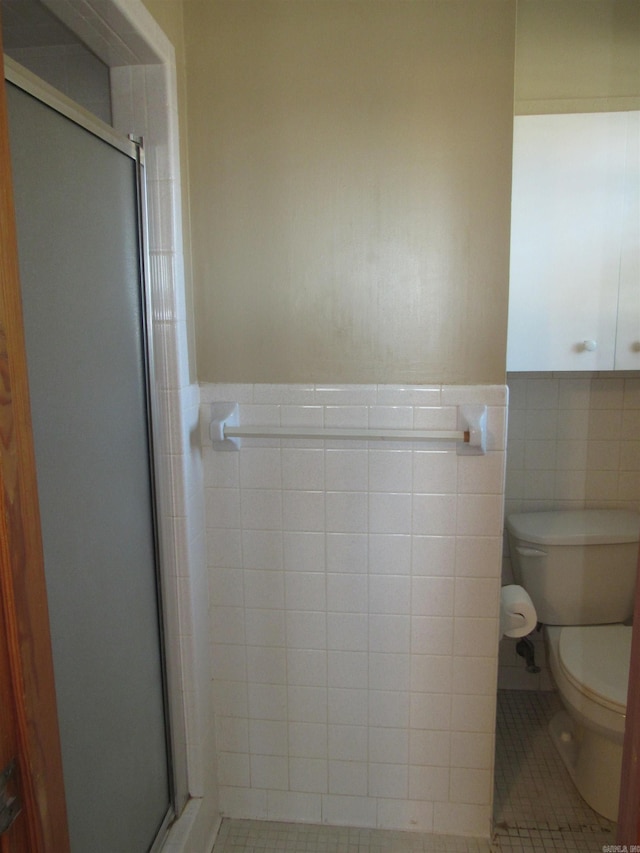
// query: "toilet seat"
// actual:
[[595, 660]]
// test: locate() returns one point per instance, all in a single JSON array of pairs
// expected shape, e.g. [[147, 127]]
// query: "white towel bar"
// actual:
[[355, 434], [470, 437]]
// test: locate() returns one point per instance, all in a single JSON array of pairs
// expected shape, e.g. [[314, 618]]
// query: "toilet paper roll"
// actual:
[[517, 614]]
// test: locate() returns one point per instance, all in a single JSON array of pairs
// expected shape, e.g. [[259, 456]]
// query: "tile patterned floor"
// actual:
[[245, 836], [536, 805]]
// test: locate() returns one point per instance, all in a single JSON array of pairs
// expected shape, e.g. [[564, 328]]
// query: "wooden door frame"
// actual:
[[629, 809], [24, 620]]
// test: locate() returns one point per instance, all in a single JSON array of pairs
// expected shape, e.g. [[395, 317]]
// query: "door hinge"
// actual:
[[10, 806]]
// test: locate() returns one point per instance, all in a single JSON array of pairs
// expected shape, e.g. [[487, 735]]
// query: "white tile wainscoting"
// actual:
[[354, 597]]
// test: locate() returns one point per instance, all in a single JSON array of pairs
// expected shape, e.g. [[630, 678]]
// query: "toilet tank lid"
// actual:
[[576, 527]]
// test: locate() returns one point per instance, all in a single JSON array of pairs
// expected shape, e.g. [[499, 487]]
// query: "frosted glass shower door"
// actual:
[[77, 219]]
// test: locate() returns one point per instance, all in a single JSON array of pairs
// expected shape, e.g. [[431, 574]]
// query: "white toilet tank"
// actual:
[[578, 566]]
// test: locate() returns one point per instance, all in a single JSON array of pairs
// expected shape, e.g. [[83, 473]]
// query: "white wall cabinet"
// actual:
[[574, 299]]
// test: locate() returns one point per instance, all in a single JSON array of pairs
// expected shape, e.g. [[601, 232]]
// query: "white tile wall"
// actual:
[[354, 593], [573, 442], [144, 103]]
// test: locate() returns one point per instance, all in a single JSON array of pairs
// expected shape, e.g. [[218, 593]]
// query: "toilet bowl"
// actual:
[[590, 666], [579, 567]]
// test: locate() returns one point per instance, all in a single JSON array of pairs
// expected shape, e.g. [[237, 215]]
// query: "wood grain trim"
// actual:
[[629, 809], [22, 581], [18, 838]]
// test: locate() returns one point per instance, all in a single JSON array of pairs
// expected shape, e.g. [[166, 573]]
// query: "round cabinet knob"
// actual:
[[589, 346]]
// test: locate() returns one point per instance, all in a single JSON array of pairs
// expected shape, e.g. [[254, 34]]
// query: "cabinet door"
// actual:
[[628, 336], [567, 206]]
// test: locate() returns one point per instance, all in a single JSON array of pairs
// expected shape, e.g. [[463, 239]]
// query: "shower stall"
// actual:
[[79, 200]]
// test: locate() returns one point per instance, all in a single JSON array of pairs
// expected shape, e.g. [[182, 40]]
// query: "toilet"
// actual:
[[579, 568]]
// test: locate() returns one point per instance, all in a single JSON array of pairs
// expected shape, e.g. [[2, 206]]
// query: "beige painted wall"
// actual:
[[350, 188], [577, 56], [349, 205]]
